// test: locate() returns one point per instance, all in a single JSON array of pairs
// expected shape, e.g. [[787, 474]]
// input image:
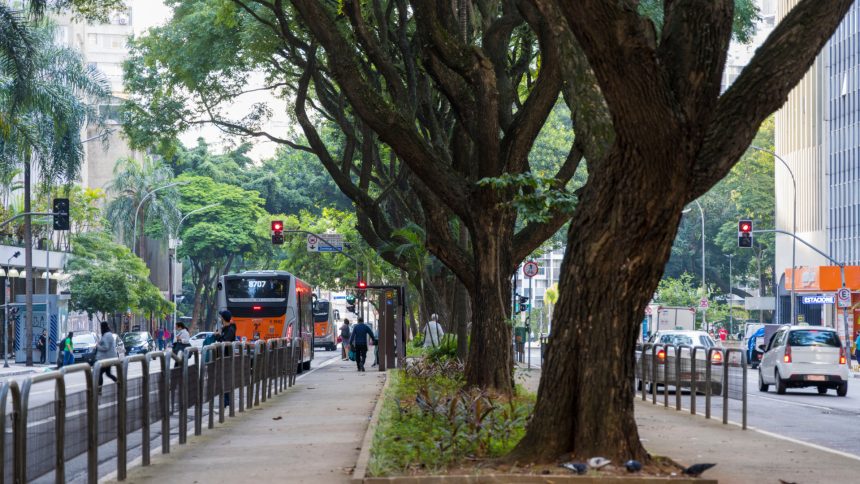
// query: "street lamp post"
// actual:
[[731, 297], [137, 210], [793, 232], [172, 262], [6, 311], [704, 286]]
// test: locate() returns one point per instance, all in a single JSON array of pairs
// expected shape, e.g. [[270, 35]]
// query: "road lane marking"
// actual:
[[791, 402]]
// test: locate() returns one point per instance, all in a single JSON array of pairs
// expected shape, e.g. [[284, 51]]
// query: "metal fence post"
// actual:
[[219, 380], [259, 346], [242, 371], [654, 373], [666, 376], [725, 387], [744, 394], [208, 353], [164, 358], [198, 405], [59, 424], [643, 364], [708, 378], [182, 388], [6, 387], [678, 363], [144, 362], [694, 384]]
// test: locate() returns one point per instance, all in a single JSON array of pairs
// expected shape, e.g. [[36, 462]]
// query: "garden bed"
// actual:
[[429, 427]]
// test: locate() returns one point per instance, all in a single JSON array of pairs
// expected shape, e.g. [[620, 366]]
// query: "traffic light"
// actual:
[[523, 303], [61, 214], [277, 232], [745, 237], [350, 304], [360, 283]]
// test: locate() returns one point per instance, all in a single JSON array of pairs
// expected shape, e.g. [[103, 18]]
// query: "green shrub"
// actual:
[[429, 421], [446, 349]]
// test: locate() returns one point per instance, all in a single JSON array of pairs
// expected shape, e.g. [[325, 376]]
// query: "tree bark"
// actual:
[[618, 243]]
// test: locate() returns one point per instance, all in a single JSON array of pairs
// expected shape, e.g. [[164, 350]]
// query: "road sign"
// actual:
[[843, 297], [818, 299], [335, 243], [704, 304], [530, 268]]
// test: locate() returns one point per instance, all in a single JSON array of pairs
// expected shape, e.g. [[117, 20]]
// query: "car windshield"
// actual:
[[133, 338], [83, 339], [813, 337]]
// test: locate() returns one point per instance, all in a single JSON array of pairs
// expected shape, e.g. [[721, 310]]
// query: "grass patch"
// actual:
[[429, 422]]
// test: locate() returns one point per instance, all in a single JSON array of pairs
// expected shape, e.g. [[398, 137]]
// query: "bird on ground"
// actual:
[[696, 470], [577, 467], [633, 465], [598, 462]]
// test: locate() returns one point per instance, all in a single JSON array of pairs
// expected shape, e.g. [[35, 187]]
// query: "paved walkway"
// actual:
[[311, 433], [742, 456]]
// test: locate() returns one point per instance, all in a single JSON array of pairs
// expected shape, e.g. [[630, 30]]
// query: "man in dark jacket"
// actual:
[[42, 346], [227, 335], [358, 342]]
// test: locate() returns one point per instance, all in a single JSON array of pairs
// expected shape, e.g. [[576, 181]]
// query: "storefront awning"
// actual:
[[822, 278]]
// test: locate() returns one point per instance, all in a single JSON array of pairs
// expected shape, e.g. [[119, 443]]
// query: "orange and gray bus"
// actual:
[[270, 304], [325, 328]]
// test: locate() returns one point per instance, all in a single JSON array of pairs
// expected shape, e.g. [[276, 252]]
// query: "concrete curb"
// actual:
[[360, 472], [531, 479], [17, 373]]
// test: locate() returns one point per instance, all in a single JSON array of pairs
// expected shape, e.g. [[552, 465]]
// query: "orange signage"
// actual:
[[822, 278]]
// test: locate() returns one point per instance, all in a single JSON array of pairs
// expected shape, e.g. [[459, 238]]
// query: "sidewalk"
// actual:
[[311, 433], [743, 456], [21, 370]]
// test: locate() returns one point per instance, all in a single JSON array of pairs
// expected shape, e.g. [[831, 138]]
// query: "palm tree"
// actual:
[[47, 97], [133, 180]]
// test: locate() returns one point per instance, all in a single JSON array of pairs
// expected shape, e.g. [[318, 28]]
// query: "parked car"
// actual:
[[667, 356], [120, 346], [138, 342], [197, 339], [804, 356], [84, 346]]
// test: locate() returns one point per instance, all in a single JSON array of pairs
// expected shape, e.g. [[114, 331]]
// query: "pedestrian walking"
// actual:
[[42, 346], [433, 332], [68, 351], [105, 350], [358, 342], [857, 348], [181, 340], [159, 338], [227, 335], [345, 333]]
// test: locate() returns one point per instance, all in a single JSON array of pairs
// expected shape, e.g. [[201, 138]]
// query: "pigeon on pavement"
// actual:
[[577, 467], [633, 466], [696, 470], [598, 462]]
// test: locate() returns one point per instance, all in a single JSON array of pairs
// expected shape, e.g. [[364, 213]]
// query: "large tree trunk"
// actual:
[[489, 363], [618, 244]]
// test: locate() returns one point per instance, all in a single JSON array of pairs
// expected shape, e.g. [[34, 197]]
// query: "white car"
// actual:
[[197, 339], [804, 356], [700, 339]]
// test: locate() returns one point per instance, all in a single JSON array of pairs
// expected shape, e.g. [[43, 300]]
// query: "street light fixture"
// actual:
[[176, 235], [140, 204], [793, 232], [704, 286]]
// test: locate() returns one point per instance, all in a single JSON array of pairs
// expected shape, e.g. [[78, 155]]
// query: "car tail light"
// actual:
[[841, 355], [717, 358], [787, 356], [661, 355]]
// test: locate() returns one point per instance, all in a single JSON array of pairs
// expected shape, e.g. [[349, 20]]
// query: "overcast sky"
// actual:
[[151, 13]]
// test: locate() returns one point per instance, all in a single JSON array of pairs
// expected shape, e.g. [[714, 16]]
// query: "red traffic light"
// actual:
[[277, 226], [745, 226], [362, 284]]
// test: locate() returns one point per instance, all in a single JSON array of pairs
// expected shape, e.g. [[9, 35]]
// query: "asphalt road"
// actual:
[[801, 414]]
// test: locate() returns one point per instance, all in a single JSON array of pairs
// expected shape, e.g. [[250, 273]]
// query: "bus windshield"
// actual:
[[321, 311], [256, 289]]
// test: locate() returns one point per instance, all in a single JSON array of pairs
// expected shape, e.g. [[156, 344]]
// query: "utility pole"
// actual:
[[28, 267]]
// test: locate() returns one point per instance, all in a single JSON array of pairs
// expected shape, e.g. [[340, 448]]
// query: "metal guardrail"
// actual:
[[143, 404], [724, 375]]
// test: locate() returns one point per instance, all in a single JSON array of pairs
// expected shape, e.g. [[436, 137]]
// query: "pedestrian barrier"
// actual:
[[717, 371], [43, 439]]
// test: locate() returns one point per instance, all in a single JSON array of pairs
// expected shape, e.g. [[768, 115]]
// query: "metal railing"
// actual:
[[160, 402], [720, 372]]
